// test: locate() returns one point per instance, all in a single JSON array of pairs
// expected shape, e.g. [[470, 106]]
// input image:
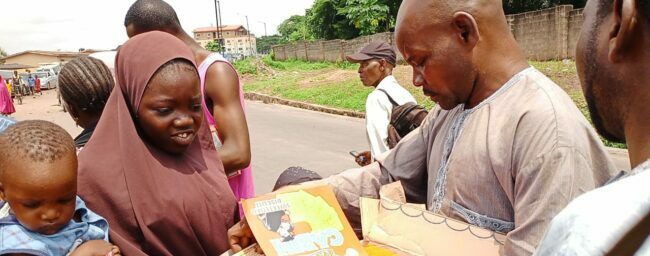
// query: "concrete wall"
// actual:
[[543, 35], [575, 24]]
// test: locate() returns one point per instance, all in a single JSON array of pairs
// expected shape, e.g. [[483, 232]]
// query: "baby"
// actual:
[[38, 182]]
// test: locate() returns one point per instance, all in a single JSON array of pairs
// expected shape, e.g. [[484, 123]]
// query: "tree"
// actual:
[[265, 43], [2, 55], [369, 16], [327, 23], [295, 29], [214, 46], [519, 6]]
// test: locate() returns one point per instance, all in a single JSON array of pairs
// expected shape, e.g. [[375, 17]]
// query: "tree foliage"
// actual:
[[214, 46], [347, 19], [369, 16], [327, 23], [295, 28], [3, 53], [265, 43], [519, 6]]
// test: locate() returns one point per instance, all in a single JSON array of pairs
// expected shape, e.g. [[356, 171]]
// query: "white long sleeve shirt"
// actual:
[[378, 112]]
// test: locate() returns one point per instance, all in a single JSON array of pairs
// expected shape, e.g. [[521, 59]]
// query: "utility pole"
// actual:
[[250, 41], [218, 34], [264, 28]]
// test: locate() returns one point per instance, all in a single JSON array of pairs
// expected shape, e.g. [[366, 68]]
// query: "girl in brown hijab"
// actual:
[[150, 168]]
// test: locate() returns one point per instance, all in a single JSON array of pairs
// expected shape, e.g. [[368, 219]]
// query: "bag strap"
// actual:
[[392, 101]]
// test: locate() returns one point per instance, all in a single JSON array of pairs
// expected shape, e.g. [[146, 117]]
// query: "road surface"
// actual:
[[281, 137]]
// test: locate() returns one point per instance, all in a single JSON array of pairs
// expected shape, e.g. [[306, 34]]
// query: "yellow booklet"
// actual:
[[302, 220]]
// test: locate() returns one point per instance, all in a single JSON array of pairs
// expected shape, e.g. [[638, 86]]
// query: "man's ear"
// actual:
[[467, 28], [622, 34]]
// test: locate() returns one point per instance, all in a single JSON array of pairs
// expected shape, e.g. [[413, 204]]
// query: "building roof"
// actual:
[[14, 66], [223, 28], [48, 53]]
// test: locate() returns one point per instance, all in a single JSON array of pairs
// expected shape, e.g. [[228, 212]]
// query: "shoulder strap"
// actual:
[[392, 101]]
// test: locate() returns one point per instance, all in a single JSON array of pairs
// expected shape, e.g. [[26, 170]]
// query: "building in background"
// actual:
[[38, 58], [236, 39]]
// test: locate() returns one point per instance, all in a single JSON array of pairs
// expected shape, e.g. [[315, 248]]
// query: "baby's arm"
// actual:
[[96, 248]]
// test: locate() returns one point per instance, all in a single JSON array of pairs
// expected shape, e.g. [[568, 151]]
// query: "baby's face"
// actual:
[[41, 195]]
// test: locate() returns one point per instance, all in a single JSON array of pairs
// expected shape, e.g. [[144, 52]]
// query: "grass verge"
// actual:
[[337, 84]]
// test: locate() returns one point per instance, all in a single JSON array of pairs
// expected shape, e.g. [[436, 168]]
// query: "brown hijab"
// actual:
[[155, 203]]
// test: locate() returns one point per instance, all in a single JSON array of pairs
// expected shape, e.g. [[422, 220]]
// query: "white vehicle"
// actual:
[[48, 74]]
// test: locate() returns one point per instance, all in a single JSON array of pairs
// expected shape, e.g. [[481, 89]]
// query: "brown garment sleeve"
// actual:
[[567, 173], [405, 163]]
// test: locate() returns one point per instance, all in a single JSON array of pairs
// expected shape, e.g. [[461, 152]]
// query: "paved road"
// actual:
[[280, 136], [283, 136]]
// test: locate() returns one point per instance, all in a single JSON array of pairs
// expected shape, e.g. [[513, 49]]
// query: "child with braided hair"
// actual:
[[85, 84]]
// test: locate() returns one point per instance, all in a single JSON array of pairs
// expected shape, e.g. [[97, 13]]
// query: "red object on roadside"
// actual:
[[38, 85]]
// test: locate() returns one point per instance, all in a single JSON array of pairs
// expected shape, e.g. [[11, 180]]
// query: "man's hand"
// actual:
[[363, 158], [240, 236], [96, 248]]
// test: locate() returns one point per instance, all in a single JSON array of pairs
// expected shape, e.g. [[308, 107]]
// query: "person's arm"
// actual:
[[96, 248], [377, 120], [542, 189], [405, 163], [222, 89]]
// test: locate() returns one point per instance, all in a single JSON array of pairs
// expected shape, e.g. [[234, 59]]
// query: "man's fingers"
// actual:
[[245, 242], [258, 249]]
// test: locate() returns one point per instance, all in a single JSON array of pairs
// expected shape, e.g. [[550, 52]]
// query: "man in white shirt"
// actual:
[[376, 63], [612, 59]]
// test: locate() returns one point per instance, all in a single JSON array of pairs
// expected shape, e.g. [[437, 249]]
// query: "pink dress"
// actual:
[[6, 104], [242, 183]]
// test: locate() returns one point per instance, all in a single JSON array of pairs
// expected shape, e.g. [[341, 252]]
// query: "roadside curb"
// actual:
[[297, 104]]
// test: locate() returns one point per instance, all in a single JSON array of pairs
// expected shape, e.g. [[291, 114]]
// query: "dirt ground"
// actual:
[[45, 107]]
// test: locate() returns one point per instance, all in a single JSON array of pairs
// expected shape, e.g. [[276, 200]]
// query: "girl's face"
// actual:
[[170, 112]]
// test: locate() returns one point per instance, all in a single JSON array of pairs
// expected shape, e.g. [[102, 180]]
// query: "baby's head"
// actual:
[[38, 175]]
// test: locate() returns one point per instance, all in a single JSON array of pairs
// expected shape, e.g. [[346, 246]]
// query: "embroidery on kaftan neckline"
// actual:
[[454, 133]]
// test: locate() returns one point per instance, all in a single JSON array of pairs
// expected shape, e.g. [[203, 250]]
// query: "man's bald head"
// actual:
[[450, 42], [149, 15]]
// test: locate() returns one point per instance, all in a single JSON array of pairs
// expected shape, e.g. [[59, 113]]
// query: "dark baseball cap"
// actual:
[[374, 50]]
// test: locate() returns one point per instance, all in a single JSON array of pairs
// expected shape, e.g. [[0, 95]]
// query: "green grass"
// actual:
[[319, 83], [252, 66]]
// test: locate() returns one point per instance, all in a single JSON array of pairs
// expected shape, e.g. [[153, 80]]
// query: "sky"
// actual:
[[68, 25]]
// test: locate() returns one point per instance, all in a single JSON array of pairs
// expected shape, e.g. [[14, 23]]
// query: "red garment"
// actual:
[[38, 85], [156, 203], [6, 104]]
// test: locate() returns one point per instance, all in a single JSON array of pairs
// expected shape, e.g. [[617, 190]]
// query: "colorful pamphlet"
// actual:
[[302, 220]]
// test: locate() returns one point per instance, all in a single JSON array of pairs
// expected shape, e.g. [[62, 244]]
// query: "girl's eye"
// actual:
[[197, 107], [163, 111], [31, 205]]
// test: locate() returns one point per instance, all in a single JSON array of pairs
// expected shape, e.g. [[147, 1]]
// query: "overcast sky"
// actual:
[[72, 24]]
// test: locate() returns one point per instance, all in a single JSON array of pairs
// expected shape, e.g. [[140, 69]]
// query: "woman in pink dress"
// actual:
[[6, 104], [241, 181]]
